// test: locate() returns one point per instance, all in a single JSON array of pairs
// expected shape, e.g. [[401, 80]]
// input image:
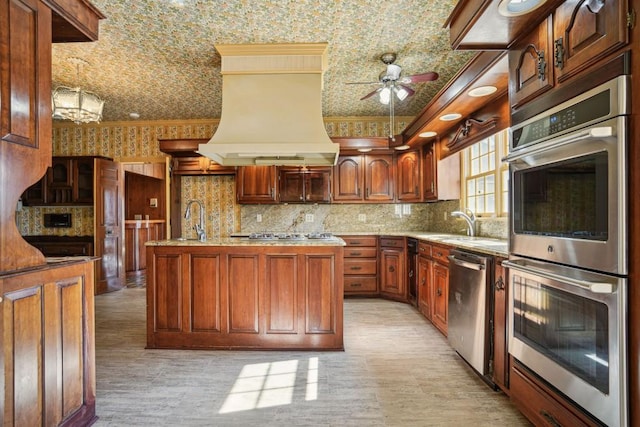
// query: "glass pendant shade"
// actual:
[[385, 95], [77, 105]]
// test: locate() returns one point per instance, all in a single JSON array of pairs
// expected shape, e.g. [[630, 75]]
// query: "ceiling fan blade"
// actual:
[[407, 88], [424, 77], [369, 95], [362, 83]]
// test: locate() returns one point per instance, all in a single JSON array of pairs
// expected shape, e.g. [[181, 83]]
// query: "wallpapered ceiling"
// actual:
[[157, 57]]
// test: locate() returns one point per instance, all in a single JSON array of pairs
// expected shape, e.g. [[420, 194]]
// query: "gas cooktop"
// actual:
[[289, 236]]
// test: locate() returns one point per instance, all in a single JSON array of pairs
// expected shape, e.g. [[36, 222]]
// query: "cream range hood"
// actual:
[[272, 107]]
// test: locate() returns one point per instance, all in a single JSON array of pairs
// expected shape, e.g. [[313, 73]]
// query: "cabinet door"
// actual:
[[531, 65], [60, 180], [392, 274], [440, 312], [379, 178], [318, 186], [500, 322], [586, 32], [425, 288], [429, 171], [257, 184], [348, 180], [408, 166], [83, 180], [36, 195], [291, 186]]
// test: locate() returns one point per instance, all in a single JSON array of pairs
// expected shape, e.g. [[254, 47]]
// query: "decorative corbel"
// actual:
[[471, 128]]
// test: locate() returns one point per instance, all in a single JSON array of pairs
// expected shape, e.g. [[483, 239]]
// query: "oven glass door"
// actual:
[[569, 329], [568, 198]]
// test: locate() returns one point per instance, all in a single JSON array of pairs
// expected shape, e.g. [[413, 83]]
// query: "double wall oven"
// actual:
[[568, 248]]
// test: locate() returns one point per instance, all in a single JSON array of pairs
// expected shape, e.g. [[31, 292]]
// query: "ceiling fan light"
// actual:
[[393, 72], [385, 95], [401, 93]]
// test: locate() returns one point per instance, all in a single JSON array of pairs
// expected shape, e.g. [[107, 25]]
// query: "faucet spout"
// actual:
[[469, 218], [200, 231]]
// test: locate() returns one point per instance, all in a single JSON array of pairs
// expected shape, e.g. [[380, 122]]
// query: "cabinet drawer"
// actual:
[[360, 284], [360, 241], [440, 254], [360, 252], [392, 242], [360, 266], [539, 406], [424, 249]]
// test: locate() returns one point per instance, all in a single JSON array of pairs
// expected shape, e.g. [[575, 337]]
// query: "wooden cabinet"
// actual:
[[361, 265], [392, 268], [500, 322], [257, 184], [440, 312], [69, 181], [136, 234], [425, 280], [541, 405], [259, 297], [586, 32], [409, 185], [300, 185], [367, 178], [199, 165], [578, 35], [48, 346], [531, 64], [440, 177]]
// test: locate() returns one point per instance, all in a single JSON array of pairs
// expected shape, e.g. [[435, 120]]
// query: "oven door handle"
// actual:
[[595, 287], [597, 132]]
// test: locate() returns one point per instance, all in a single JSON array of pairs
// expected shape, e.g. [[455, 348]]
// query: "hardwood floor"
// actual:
[[396, 370]]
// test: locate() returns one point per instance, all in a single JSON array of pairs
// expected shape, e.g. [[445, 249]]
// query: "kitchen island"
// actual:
[[237, 293]]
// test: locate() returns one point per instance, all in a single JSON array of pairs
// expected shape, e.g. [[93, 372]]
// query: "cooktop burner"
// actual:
[[289, 236]]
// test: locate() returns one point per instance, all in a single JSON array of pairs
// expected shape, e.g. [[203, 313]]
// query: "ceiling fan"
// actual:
[[391, 81], [393, 85]]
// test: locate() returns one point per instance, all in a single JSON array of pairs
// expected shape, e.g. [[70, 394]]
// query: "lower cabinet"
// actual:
[[361, 265], [136, 234], [392, 268], [48, 342], [440, 311]]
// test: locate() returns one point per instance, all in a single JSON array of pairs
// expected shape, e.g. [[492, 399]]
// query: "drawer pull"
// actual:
[[356, 267], [424, 280], [439, 254], [355, 253], [356, 242], [356, 285], [550, 419]]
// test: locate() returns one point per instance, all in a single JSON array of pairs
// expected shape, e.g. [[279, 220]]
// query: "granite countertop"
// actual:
[[486, 245], [245, 241]]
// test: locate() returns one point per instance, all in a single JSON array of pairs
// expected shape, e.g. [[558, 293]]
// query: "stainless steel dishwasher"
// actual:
[[469, 309]]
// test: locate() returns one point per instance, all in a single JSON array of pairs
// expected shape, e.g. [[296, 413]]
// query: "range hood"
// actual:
[[272, 107]]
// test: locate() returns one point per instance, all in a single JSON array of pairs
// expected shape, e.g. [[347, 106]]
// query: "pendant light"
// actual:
[[75, 104]]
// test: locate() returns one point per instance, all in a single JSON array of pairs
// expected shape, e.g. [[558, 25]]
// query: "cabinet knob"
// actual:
[[499, 284], [424, 280], [392, 269], [439, 292]]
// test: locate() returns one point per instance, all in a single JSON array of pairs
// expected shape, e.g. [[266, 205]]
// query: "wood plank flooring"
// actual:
[[396, 370]]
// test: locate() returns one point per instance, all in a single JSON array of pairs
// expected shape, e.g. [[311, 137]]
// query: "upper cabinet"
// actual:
[[300, 185], [365, 177], [587, 31], [409, 185], [576, 36], [257, 184]]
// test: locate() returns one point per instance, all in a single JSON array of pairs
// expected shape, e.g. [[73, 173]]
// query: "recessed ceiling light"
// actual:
[[427, 134], [451, 116], [518, 7], [364, 150], [402, 147], [482, 91], [134, 115]]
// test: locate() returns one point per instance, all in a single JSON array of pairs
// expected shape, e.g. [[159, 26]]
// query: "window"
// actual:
[[485, 177]]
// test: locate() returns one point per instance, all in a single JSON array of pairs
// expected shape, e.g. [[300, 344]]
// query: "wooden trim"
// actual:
[[466, 130]]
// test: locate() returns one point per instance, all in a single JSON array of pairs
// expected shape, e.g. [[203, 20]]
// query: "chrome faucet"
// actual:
[[470, 218], [202, 235]]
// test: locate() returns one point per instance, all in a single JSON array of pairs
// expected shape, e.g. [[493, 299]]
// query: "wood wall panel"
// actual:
[[168, 295], [72, 352], [205, 293], [243, 293], [282, 294], [320, 300]]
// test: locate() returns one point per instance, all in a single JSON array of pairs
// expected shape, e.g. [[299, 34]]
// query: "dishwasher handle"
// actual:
[[466, 264]]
